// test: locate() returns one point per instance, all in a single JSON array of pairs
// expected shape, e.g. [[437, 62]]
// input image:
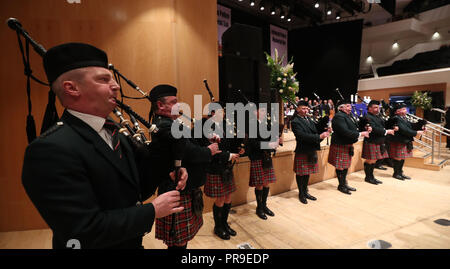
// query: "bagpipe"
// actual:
[[233, 142], [130, 128]]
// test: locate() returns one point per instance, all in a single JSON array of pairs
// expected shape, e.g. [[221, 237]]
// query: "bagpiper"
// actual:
[[345, 134]]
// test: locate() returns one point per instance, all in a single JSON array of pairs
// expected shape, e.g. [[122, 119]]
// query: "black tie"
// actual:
[[114, 131]]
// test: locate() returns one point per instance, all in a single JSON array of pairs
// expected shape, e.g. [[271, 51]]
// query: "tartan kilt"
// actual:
[[303, 167], [373, 152], [187, 224], [260, 176], [398, 150], [339, 156], [214, 187]]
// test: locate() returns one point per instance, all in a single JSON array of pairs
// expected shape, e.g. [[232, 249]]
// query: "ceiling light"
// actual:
[[272, 11], [252, 3], [369, 59], [395, 45], [436, 35], [317, 5], [338, 16], [329, 12]]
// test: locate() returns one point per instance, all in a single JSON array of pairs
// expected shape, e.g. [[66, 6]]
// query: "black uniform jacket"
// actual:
[[405, 132], [253, 145], [306, 135], [220, 160], [194, 154], [377, 136], [84, 191], [345, 130]]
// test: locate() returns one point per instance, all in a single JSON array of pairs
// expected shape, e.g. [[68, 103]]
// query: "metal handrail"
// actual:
[[435, 130]]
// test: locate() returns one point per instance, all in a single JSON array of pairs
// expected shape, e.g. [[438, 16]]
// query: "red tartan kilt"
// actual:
[[187, 224], [303, 167], [214, 187], [373, 152], [399, 150], [339, 156], [260, 176]]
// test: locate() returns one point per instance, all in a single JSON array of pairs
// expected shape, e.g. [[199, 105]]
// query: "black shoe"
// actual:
[[260, 213], [219, 230], [378, 181], [226, 212], [265, 194], [381, 167], [398, 176], [405, 177], [371, 181], [302, 199], [310, 197], [343, 189]]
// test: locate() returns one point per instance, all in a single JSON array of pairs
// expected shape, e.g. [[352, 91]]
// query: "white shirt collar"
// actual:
[[95, 122]]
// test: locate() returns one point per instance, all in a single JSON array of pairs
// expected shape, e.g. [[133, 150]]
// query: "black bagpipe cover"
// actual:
[[391, 122], [322, 124], [363, 123], [417, 126]]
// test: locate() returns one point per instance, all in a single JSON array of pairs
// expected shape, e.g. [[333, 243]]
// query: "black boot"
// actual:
[[264, 197], [226, 212], [259, 204], [402, 162], [389, 162], [219, 229], [396, 165], [341, 187], [301, 192], [345, 180], [369, 173], [372, 167], [305, 186], [379, 164]]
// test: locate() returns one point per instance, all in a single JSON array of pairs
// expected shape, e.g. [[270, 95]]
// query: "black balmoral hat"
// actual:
[[162, 90], [69, 56]]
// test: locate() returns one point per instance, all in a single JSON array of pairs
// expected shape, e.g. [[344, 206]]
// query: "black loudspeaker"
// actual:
[[243, 41], [250, 76]]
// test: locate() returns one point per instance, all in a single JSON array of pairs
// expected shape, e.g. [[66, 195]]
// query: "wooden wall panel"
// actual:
[[384, 94], [150, 42]]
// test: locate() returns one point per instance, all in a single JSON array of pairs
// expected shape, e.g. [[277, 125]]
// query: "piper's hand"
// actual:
[[182, 178], [395, 128], [234, 156], [324, 135], [419, 132], [369, 129], [390, 132], [364, 134], [215, 138], [275, 144], [214, 147], [167, 203], [241, 151]]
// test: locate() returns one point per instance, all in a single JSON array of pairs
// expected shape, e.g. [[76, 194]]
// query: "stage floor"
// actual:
[[401, 213]]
